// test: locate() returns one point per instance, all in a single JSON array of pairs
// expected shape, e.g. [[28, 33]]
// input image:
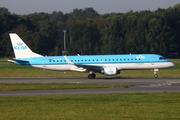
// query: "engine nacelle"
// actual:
[[110, 71]]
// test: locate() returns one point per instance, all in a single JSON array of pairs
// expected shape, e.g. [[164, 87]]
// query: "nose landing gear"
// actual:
[[155, 73]]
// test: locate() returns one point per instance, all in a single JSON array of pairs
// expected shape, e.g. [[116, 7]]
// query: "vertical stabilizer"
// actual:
[[21, 50]]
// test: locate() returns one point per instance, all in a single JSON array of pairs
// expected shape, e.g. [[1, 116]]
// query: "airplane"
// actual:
[[109, 65]]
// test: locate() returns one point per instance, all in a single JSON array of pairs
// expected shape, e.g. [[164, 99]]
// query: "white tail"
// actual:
[[21, 50]]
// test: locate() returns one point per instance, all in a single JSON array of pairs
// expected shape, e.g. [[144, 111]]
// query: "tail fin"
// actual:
[[21, 50]]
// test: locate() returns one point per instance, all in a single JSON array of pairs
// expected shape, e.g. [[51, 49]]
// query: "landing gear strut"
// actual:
[[155, 73]]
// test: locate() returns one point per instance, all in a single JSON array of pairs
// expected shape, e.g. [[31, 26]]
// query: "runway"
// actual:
[[137, 85]]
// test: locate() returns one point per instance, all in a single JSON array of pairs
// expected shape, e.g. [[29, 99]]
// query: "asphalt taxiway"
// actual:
[[136, 85]]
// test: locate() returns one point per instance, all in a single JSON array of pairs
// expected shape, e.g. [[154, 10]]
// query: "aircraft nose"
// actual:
[[171, 64]]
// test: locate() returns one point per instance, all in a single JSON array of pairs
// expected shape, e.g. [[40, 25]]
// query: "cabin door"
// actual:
[[44, 62], [152, 60]]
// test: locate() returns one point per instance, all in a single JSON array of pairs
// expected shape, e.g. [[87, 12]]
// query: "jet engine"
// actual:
[[110, 71]]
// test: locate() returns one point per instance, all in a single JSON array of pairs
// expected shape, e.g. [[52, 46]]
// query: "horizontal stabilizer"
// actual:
[[16, 60]]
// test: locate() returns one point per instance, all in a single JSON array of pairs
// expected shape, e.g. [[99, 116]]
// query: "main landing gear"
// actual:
[[91, 75], [155, 73]]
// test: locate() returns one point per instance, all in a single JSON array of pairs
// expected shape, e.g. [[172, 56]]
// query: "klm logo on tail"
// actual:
[[20, 46]]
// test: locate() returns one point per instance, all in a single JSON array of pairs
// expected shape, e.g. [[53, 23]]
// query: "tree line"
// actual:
[[88, 32]]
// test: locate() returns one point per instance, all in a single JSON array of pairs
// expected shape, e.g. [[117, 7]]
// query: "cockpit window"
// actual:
[[162, 58]]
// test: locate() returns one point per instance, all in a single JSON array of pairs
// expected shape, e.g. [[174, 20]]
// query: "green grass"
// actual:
[[131, 106], [10, 70]]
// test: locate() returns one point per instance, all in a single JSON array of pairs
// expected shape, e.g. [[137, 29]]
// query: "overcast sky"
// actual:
[[67, 6]]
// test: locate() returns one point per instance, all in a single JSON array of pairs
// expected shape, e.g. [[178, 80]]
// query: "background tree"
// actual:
[[88, 32]]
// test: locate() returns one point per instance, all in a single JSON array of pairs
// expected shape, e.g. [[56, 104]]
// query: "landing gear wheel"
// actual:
[[155, 73], [94, 75], [155, 76], [91, 76]]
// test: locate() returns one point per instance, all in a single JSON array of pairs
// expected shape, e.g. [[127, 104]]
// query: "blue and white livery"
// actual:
[[105, 64]]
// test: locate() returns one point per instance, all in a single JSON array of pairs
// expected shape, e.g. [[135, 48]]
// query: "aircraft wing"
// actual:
[[91, 67], [83, 66], [87, 67]]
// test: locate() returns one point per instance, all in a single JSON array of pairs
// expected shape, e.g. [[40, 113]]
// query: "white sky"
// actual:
[[67, 6]]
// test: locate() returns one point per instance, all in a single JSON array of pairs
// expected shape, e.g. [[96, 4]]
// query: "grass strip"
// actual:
[[129, 106]]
